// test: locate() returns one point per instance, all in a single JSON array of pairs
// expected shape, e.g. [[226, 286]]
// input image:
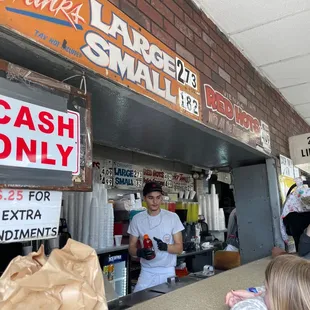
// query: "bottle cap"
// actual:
[[146, 237]]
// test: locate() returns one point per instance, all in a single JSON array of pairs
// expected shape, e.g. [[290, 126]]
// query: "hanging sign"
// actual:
[[29, 215], [231, 119], [37, 137], [287, 167], [98, 36], [300, 151]]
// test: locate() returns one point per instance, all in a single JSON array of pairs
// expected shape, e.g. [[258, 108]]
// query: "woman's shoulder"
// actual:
[[251, 304]]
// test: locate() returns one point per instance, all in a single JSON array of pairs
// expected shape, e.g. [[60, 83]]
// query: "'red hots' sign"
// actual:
[[220, 104], [33, 136], [234, 121]]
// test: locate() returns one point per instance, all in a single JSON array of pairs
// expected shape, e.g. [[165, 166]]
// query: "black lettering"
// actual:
[[40, 232], [8, 235], [14, 216], [31, 194], [47, 196], [54, 231], [33, 232], [16, 234], [39, 196], [38, 214], [47, 230], [2, 235], [24, 234], [29, 215], [23, 214], [5, 215]]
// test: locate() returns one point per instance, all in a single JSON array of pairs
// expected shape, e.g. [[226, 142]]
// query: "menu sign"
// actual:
[[98, 36], [231, 119], [159, 176], [127, 176], [105, 167]]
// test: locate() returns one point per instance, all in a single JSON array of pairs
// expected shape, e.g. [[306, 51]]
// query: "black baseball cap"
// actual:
[[152, 187]]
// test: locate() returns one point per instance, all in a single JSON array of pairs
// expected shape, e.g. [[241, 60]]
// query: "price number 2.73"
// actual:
[[185, 76], [189, 103]]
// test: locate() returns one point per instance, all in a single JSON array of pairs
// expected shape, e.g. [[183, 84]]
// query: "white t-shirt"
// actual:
[[162, 226]]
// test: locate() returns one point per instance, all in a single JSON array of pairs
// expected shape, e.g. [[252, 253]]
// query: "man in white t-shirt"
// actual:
[[164, 228]]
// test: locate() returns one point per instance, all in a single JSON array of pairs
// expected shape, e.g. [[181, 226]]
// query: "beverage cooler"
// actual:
[[115, 269]]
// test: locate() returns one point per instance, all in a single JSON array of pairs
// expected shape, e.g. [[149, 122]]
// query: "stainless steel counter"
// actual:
[[150, 293]]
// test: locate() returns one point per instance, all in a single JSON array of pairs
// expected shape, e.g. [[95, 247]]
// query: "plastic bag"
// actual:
[[70, 279]]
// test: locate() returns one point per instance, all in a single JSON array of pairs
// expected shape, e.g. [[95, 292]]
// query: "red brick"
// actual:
[[216, 38], [223, 74], [198, 19], [175, 9], [231, 90], [162, 9], [229, 49], [241, 80], [239, 62], [230, 70], [202, 45], [186, 8], [208, 40], [250, 89], [203, 68], [236, 85], [210, 63], [148, 10], [234, 65], [208, 21], [246, 93], [223, 54], [115, 2], [184, 29], [174, 32], [163, 36], [217, 59], [246, 77], [185, 54], [190, 46], [218, 80], [192, 25], [135, 14]]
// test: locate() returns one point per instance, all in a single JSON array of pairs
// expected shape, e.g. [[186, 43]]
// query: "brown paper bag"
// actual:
[[226, 260], [70, 279]]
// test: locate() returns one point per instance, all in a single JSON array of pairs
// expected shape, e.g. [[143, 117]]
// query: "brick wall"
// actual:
[[189, 32]]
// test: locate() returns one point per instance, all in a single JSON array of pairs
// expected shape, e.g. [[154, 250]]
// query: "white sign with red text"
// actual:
[[29, 214], [33, 136]]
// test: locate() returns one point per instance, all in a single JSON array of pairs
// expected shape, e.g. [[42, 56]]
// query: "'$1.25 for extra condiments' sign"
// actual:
[[28, 214], [99, 36]]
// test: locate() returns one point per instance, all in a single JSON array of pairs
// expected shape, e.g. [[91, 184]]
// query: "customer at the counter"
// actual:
[[303, 248], [287, 287], [164, 228]]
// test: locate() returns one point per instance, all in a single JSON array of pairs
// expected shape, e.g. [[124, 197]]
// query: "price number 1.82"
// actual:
[[189, 103]]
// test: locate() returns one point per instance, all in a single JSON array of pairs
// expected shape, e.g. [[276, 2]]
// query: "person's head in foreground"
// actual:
[[288, 283]]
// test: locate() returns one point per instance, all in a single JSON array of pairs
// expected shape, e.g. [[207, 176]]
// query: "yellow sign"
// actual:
[[97, 35]]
